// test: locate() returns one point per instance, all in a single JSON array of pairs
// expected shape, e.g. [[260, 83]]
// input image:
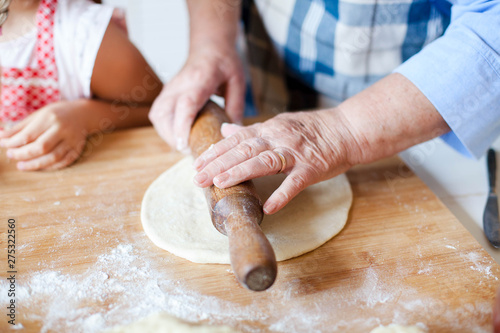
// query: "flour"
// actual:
[[477, 265], [78, 190], [139, 288]]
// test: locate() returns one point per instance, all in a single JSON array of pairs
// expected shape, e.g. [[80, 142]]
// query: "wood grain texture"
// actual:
[[85, 264], [235, 211]]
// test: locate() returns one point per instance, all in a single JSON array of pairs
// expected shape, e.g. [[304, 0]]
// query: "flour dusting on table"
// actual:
[[63, 302]]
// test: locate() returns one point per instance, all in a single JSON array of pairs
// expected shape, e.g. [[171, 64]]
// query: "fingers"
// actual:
[[206, 72], [243, 156], [161, 116], [266, 163], [27, 132], [203, 83], [8, 132], [235, 98], [225, 145], [43, 145], [291, 186], [235, 167], [185, 113], [60, 157], [68, 159], [174, 111]]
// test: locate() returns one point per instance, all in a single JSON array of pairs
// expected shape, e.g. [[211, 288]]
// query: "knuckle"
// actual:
[[247, 150], [35, 165], [233, 140], [29, 137], [203, 74], [57, 155], [270, 160], [198, 74], [187, 104], [239, 172], [298, 182], [258, 141], [13, 154], [283, 197], [219, 165], [50, 159], [43, 148], [52, 115], [250, 148]]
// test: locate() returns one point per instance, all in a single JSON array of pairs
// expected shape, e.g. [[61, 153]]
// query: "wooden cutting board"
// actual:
[[84, 263]]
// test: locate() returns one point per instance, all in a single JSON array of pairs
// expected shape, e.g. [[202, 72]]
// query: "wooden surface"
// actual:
[[84, 263]]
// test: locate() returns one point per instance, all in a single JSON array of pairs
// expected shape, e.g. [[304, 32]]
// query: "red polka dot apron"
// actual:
[[25, 90]]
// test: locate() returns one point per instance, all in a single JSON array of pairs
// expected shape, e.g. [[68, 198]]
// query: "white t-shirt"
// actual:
[[78, 31]]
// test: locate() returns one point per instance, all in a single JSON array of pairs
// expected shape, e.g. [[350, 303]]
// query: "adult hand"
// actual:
[[307, 146], [210, 69], [51, 138]]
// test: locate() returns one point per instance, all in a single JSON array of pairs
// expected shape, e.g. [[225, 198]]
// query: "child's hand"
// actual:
[[51, 138]]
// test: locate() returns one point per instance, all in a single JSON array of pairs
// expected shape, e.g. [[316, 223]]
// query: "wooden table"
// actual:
[[84, 264]]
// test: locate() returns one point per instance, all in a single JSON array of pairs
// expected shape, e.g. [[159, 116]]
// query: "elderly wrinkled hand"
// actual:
[[307, 146]]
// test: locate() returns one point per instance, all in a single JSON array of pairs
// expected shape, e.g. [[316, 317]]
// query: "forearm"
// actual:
[[387, 118], [103, 116], [213, 21]]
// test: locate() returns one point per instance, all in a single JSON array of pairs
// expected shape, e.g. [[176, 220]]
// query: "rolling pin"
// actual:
[[235, 211]]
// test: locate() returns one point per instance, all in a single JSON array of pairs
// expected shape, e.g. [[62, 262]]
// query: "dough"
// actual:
[[164, 323], [394, 328], [175, 216]]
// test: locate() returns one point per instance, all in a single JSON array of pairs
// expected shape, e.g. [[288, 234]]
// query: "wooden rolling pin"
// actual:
[[236, 211]]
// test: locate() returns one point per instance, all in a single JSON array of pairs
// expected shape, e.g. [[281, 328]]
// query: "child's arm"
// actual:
[[124, 87]]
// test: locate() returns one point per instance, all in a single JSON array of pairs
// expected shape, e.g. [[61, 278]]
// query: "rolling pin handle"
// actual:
[[258, 272], [252, 256], [236, 211]]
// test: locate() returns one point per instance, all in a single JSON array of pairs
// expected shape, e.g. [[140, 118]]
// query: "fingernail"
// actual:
[[2, 143], [221, 179], [20, 166], [9, 154], [181, 144], [200, 178], [198, 163]]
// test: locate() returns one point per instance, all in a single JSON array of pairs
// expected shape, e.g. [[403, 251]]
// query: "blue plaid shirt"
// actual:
[[449, 50]]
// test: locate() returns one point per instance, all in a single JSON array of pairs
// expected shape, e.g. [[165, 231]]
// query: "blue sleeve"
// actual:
[[460, 74]]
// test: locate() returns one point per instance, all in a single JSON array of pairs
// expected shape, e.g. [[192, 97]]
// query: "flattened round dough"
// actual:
[[395, 328], [175, 216], [164, 323]]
